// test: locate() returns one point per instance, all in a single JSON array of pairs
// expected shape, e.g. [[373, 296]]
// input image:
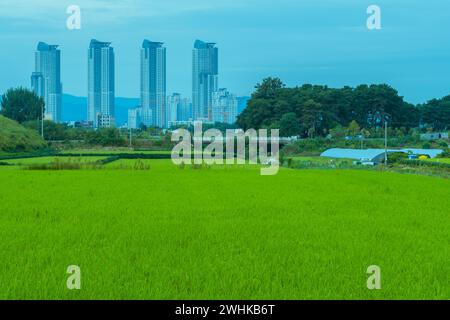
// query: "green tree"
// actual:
[[320, 108], [338, 132], [354, 128], [268, 88], [289, 125], [52, 130], [312, 117], [22, 105], [435, 114]]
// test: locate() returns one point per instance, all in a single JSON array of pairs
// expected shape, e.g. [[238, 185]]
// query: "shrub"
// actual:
[[445, 154], [397, 157]]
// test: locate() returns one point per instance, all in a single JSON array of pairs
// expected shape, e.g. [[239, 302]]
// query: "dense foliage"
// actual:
[[21, 105], [319, 109], [435, 114]]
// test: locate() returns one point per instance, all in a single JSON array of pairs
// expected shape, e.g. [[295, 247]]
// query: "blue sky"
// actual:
[[300, 41]]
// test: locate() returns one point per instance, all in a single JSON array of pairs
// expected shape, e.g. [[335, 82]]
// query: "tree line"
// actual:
[[314, 110], [306, 111]]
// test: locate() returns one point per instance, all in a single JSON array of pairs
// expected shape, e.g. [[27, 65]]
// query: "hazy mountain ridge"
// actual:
[[75, 108]]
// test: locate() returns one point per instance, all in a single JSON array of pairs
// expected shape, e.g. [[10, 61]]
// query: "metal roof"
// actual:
[[356, 154], [373, 154]]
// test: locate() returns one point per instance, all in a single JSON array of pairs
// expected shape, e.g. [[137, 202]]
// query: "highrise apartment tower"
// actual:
[[205, 70], [153, 84], [46, 79], [101, 87]]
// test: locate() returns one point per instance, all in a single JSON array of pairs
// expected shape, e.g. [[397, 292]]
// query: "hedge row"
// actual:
[[422, 163], [119, 155]]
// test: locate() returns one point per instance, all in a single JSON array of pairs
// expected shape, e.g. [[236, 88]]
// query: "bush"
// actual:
[[397, 157], [445, 154], [105, 137]]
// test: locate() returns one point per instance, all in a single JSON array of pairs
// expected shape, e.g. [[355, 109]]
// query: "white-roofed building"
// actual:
[[375, 155]]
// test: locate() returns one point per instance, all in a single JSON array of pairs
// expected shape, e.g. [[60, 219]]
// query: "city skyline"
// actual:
[[156, 108], [320, 42]]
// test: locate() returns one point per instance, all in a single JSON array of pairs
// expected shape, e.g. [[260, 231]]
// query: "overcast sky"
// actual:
[[300, 41]]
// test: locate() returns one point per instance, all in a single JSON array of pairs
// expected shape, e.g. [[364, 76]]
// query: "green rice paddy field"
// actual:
[[222, 233]]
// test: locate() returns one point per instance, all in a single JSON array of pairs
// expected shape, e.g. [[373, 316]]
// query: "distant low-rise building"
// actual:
[[189, 123], [434, 136], [82, 124], [105, 121]]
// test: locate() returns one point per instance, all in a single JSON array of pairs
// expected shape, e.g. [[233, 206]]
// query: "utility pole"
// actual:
[[385, 117], [362, 139], [42, 121], [131, 144], [385, 142]]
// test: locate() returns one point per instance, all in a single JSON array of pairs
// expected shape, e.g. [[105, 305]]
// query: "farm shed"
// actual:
[[434, 136], [374, 155]]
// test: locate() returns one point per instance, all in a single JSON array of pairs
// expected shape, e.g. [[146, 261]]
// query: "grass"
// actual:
[[440, 160], [304, 162], [16, 138], [48, 160], [113, 151], [222, 233]]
